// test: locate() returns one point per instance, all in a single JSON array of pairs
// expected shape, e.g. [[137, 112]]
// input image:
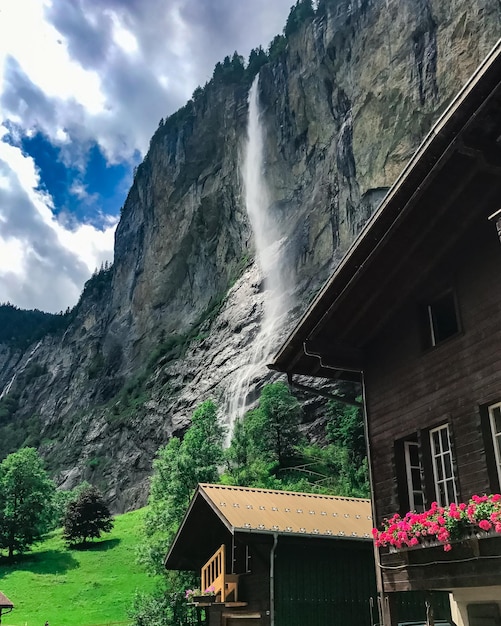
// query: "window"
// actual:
[[443, 471], [442, 318], [495, 423], [413, 473]]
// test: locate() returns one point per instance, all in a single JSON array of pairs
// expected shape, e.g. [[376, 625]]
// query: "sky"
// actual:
[[83, 85]]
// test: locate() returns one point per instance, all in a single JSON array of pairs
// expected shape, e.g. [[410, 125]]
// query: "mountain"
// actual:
[[345, 96]]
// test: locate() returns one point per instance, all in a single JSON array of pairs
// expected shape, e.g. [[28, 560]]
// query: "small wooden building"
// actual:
[[6, 605], [279, 558], [413, 313]]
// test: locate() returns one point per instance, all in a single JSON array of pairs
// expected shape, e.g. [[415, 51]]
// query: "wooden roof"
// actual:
[[5, 603], [218, 512], [452, 182], [265, 510]]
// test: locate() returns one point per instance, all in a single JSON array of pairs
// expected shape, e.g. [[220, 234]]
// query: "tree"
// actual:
[[265, 440], [177, 469], [301, 12], [26, 496], [61, 500], [87, 517], [257, 58], [202, 447], [280, 427]]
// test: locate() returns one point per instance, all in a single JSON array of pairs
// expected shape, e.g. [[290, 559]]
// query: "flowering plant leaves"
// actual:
[[193, 593]]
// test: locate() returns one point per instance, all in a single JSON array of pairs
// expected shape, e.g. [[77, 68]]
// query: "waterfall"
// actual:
[[11, 381], [269, 258]]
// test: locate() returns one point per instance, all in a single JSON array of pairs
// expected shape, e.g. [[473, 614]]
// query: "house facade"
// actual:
[[413, 313]]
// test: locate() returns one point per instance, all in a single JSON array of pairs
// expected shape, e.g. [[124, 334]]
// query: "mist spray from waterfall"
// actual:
[[268, 250]]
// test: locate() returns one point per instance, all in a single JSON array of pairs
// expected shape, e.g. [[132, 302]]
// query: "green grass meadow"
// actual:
[[73, 587]]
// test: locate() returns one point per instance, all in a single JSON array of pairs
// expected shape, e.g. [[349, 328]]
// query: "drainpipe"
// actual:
[[382, 609], [272, 579]]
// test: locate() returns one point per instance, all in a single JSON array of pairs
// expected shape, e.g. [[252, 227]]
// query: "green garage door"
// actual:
[[323, 585]]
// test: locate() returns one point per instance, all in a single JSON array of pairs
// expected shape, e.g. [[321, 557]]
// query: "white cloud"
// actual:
[[85, 72], [43, 263]]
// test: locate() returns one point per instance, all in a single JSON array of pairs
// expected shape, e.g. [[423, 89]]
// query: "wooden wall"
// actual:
[[411, 388]]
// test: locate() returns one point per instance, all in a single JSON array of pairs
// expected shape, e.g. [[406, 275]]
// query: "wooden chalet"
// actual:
[[278, 558], [413, 313]]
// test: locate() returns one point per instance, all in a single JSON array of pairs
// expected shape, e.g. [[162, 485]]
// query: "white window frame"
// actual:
[[411, 488], [496, 436], [439, 459]]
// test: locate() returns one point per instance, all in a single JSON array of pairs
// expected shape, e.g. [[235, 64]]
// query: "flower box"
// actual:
[[204, 599], [442, 526]]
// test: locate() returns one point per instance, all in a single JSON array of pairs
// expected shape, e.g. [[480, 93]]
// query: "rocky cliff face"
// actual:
[[344, 107]]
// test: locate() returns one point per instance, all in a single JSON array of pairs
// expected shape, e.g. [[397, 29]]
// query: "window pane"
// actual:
[[419, 501], [496, 415], [448, 466], [443, 470], [444, 433], [414, 455], [498, 445], [436, 443], [441, 494], [440, 469], [450, 492], [416, 478]]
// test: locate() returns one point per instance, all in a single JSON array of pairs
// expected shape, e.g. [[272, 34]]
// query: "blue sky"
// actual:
[[88, 193], [83, 85]]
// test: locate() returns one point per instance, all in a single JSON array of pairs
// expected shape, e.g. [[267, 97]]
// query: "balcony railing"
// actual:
[[214, 575]]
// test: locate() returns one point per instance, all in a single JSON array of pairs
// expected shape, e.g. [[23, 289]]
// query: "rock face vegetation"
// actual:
[[348, 91]]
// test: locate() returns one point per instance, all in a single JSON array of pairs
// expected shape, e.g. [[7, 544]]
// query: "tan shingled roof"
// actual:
[[264, 510], [5, 603]]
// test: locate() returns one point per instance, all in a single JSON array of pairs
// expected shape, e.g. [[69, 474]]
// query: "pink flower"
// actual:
[[447, 547], [485, 525]]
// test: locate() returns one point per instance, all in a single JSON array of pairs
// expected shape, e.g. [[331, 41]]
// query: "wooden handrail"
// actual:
[[213, 575], [213, 572]]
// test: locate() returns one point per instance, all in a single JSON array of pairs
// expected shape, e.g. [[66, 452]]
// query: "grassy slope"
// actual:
[[77, 587]]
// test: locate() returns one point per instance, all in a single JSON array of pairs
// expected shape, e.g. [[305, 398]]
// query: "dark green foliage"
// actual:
[[277, 47], [277, 426], [300, 13], [18, 432], [178, 468], [345, 429], [87, 517], [98, 284], [8, 406], [266, 440], [267, 450], [165, 607], [257, 58], [61, 500], [20, 328], [230, 71], [203, 445], [26, 501]]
